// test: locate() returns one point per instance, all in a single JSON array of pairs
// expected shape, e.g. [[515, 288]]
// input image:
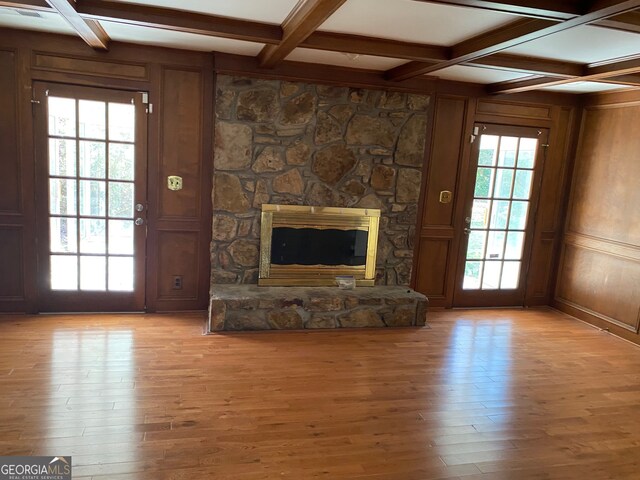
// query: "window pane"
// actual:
[[121, 274], [121, 122], [495, 245], [488, 150], [121, 165], [92, 273], [475, 247], [64, 272], [522, 187], [484, 182], [527, 152], [92, 162], [513, 248], [63, 235], [62, 196], [491, 279], [504, 178], [518, 216], [62, 116], [121, 236], [508, 148], [480, 213], [62, 157], [92, 198], [92, 235], [472, 274], [499, 215], [92, 119], [510, 275], [121, 199]]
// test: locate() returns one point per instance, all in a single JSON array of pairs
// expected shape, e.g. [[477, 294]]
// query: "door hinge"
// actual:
[[145, 100], [476, 132]]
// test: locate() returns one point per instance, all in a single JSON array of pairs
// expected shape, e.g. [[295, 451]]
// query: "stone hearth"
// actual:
[[249, 307]]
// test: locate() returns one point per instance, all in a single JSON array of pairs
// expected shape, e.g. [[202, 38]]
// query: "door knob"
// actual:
[[467, 220], [467, 231], [139, 221], [139, 207]]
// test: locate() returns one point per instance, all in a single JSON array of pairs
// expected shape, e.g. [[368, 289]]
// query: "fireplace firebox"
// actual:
[[311, 246]]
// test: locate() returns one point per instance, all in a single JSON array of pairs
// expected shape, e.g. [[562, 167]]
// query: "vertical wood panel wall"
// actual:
[[441, 228], [599, 273], [180, 86]]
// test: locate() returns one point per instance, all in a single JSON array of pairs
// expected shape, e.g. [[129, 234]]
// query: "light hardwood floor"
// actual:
[[492, 394]]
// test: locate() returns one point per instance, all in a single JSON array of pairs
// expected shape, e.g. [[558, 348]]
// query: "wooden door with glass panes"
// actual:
[[501, 197], [91, 198]]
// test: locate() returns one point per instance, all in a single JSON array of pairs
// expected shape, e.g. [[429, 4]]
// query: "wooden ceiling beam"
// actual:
[[619, 71], [303, 20], [516, 33], [180, 21], [37, 5], [89, 30], [363, 45], [549, 9], [545, 9]]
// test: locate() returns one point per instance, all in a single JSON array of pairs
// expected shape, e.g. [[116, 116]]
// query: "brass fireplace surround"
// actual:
[[294, 216]]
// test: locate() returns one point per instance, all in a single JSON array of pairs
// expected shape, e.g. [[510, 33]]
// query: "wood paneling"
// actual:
[[176, 258], [10, 201], [182, 219], [511, 109], [435, 246], [607, 175], [601, 283], [448, 169], [442, 168], [180, 85], [549, 217], [11, 260], [432, 264], [599, 273], [181, 152], [57, 63]]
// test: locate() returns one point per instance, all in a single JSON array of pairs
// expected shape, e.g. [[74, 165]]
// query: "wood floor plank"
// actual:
[[481, 395]]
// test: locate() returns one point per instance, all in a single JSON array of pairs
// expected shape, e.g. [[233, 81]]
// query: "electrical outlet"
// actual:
[[177, 282]]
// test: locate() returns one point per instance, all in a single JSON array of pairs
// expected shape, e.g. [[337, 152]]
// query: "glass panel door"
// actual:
[[95, 163], [494, 251]]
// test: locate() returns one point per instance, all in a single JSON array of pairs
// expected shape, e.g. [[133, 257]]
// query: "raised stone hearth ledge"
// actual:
[[249, 307]]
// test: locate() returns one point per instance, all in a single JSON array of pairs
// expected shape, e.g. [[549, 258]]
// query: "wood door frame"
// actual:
[[72, 301], [480, 298]]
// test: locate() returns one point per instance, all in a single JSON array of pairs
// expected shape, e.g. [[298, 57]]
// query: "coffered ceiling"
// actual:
[[508, 45]]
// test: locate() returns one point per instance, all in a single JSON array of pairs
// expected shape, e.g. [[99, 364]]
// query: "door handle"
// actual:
[[139, 221], [467, 231]]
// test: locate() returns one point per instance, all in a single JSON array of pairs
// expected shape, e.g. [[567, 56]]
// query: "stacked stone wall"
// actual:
[[302, 144]]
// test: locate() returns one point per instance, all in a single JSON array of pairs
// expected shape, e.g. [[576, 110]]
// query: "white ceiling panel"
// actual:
[[267, 11], [412, 21], [166, 38], [45, 22], [462, 73], [343, 60], [582, 44], [585, 87]]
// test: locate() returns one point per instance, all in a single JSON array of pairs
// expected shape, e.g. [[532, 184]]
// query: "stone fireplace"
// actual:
[[300, 144], [311, 246]]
